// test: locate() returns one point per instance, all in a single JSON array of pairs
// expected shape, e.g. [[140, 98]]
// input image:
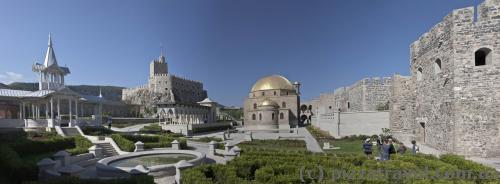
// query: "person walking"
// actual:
[[401, 149], [392, 149], [414, 148], [109, 124], [367, 148], [386, 150]]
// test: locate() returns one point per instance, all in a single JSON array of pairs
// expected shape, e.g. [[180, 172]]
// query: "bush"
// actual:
[[123, 143], [26, 146], [210, 129], [142, 138], [261, 162], [155, 141], [152, 129], [13, 169], [82, 145], [96, 131]]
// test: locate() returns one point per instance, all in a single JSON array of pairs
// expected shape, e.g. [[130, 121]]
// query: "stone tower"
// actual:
[[158, 74], [451, 100]]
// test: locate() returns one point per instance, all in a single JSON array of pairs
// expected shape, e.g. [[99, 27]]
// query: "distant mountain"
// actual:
[[113, 93], [3, 86], [27, 86]]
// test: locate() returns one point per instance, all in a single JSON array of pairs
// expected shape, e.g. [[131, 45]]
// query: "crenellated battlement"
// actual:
[[185, 79], [457, 21]]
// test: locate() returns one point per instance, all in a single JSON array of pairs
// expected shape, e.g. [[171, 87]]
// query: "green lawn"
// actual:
[[274, 145]]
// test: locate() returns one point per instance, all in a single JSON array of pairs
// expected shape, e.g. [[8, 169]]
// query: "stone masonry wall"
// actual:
[[455, 100], [477, 88]]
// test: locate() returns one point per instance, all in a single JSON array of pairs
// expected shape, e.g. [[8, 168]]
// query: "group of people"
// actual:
[[386, 148]]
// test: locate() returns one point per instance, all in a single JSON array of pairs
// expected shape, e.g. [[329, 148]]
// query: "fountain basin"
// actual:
[[159, 162]]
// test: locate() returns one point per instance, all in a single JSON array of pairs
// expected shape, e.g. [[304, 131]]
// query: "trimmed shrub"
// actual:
[[26, 146], [123, 143], [13, 169], [152, 129], [96, 131], [210, 129], [82, 145]]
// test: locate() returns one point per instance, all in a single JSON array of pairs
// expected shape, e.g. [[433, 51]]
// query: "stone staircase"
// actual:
[[107, 149], [70, 131]]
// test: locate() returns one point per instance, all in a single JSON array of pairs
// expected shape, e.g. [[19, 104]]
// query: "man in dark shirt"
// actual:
[[367, 147]]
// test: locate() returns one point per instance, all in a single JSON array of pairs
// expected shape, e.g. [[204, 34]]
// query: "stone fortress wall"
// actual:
[[364, 95], [164, 87], [359, 104], [451, 100]]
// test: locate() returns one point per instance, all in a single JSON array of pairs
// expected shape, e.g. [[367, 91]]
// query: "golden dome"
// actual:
[[268, 102], [272, 82]]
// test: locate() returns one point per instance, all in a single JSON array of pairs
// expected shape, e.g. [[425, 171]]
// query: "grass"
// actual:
[[275, 145], [353, 144]]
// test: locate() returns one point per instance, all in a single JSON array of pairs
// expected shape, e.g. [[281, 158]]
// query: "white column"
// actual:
[[46, 110], [24, 110], [76, 109], [70, 111], [58, 108], [32, 114], [51, 108], [20, 111]]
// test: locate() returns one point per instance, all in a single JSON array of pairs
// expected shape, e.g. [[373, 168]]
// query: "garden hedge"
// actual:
[[260, 164]]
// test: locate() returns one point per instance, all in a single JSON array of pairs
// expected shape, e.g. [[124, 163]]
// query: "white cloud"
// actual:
[[9, 77]]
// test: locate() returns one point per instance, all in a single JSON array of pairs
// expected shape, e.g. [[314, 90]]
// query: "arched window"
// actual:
[[419, 74], [348, 105], [272, 116], [274, 93], [283, 104], [437, 66], [260, 116], [253, 116], [282, 116], [483, 56], [263, 93], [254, 106]]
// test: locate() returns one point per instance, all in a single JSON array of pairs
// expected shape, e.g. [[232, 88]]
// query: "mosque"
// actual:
[[273, 103]]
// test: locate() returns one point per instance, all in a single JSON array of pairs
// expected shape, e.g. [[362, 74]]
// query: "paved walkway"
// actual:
[[133, 128], [490, 162], [311, 143]]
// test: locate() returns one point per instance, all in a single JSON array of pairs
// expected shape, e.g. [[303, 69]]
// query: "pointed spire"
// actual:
[[50, 40], [50, 56], [162, 57], [100, 94], [161, 50]]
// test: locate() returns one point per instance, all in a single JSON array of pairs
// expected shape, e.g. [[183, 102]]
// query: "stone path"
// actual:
[[490, 162], [311, 143], [133, 128]]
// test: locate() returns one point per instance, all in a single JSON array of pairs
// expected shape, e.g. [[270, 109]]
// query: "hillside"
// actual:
[[113, 93], [3, 86]]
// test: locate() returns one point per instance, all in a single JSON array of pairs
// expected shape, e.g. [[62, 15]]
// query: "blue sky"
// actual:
[[227, 44]]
